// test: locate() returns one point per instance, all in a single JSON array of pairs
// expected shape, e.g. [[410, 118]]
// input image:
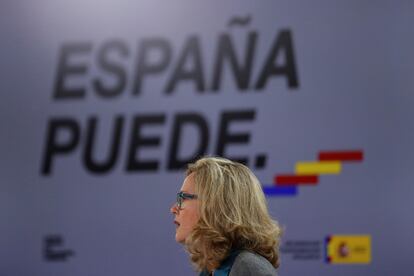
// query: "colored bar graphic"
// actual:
[[280, 191], [350, 156], [348, 249], [322, 167], [291, 180]]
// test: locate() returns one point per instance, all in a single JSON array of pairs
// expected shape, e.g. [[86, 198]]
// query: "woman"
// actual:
[[222, 219]]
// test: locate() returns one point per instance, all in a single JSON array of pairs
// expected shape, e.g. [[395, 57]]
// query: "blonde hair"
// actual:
[[233, 214]]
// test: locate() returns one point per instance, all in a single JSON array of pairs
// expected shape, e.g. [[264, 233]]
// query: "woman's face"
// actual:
[[186, 217]]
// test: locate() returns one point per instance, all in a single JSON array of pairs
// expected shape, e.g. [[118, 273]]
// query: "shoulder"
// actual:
[[249, 263]]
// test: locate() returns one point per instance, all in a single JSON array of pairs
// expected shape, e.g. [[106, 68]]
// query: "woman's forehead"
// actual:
[[188, 184]]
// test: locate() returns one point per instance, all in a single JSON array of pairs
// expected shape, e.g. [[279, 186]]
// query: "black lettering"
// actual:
[[241, 72], [53, 147], [144, 67], [64, 70], [190, 52], [180, 121], [283, 43], [114, 68], [225, 138], [108, 164], [53, 250], [138, 142]]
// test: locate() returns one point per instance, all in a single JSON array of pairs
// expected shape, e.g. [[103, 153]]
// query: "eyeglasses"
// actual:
[[181, 196]]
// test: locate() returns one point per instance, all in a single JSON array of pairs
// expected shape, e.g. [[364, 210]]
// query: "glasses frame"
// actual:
[[181, 196]]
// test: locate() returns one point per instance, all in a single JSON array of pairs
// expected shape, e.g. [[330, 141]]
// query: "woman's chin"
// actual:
[[179, 239]]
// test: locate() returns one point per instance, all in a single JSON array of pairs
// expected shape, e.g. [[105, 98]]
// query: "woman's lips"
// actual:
[[176, 223]]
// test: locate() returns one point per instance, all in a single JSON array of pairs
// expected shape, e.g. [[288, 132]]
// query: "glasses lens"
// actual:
[[179, 200]]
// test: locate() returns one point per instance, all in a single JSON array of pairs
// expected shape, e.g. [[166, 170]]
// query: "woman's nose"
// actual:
[[173, 209]]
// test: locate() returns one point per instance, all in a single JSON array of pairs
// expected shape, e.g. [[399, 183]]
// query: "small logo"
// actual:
[[53, 251], [303, 250], [239, 21], [348, 249], [308, 172]]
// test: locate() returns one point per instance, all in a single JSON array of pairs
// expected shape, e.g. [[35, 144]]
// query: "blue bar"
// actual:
[[280, 191]]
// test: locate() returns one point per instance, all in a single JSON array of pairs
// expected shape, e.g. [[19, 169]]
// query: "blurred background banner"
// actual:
[[104, 102]]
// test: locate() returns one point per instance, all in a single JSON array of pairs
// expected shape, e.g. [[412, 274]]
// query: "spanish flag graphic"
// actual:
[[348, 249]]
